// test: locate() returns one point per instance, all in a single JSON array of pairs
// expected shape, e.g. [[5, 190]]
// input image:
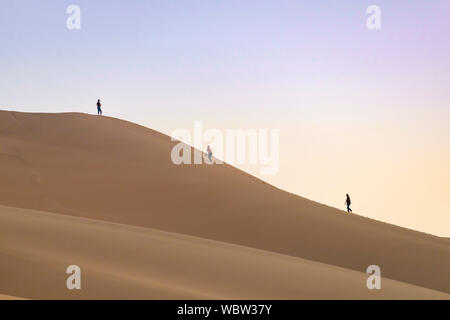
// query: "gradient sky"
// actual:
[[359, 111]]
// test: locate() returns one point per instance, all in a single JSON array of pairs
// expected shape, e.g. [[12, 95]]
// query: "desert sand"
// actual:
[[3, 297], [103, 194]]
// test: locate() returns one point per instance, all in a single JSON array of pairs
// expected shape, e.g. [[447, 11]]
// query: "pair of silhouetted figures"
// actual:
[[348, 202]]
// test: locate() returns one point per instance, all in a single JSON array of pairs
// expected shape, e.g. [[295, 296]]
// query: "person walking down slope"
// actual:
[[209, 152], [348, 202], [99, 107]]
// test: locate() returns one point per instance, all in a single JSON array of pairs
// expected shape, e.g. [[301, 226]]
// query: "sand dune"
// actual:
[[3, 297], [122, 262], [111, 170]]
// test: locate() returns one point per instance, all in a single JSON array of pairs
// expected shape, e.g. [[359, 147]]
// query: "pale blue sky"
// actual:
[[151, 58]]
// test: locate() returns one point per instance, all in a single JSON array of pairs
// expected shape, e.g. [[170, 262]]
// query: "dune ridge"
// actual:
[[114, 171]]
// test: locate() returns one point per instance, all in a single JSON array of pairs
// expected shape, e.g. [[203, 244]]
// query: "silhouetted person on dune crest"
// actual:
[[348, 202], [99, 107]]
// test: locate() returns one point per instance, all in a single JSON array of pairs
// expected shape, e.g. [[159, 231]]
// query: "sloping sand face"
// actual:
[[110, 170], [125, 262]]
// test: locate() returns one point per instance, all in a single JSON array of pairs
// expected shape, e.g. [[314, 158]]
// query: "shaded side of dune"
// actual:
[[124, 262]]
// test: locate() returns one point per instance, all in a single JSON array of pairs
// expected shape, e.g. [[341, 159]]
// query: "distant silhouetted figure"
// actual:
[[209, 153], [99, 107], [348, 202]]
